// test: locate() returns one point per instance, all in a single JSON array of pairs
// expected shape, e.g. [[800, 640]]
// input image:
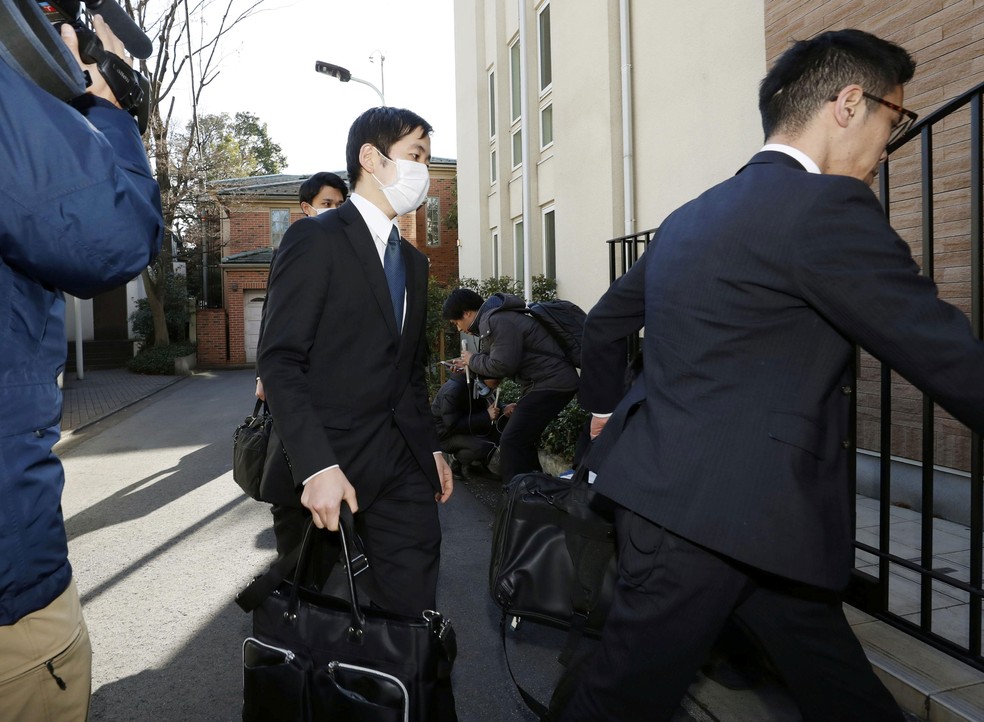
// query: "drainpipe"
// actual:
[[524, 117], [628, 168]]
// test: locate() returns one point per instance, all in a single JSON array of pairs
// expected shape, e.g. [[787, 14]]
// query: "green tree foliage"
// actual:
[[233, 147]]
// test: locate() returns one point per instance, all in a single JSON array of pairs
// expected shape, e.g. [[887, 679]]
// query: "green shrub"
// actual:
[[175, 313], [561, 435], [159, 360]]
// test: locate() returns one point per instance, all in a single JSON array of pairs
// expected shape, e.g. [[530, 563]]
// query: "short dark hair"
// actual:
[[313, 185], [380, 127], [459, 301], [809, 73]]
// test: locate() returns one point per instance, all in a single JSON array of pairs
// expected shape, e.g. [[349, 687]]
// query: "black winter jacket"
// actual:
[[514, 345]]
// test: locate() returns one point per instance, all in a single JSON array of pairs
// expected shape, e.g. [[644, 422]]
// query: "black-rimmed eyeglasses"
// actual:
[[902, 125]]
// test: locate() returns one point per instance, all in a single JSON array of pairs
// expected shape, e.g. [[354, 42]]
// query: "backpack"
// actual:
[[564, 321]]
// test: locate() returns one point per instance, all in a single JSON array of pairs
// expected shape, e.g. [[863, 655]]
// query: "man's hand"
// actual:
[[508, 409], [493, 412], [323, 495], [597, 424], [446, 477], [111, 44], [260, 393], [466, 357]]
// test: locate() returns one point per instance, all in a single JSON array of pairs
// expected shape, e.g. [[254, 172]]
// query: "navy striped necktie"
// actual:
[[396, 275]]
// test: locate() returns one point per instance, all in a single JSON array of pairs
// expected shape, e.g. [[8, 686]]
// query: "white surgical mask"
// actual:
[[409, 188], [319, 211]]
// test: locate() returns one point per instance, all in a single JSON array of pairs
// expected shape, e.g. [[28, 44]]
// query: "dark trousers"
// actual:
[[400, 531], [467, 448], [521, 438], [672, 600]]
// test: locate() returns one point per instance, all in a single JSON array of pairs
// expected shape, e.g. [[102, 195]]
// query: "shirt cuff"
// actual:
[[327, 468], [602, 416]]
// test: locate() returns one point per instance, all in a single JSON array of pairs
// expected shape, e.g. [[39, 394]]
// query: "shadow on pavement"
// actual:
[[201, 682], [145, 496]]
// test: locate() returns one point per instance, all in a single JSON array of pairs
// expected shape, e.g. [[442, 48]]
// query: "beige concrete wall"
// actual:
[[695, 68]]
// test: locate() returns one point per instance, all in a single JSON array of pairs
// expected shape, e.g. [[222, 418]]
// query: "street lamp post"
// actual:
[[382, 78], [344, 75]]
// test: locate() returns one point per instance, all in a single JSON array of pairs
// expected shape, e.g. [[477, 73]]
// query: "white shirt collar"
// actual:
[[804, 160], [379, 225]]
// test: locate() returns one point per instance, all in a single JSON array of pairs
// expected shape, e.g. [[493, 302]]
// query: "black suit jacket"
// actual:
[[736, 434], [343, 385]]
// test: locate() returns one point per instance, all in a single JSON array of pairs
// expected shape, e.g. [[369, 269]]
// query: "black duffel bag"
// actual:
[[317, 657], [553, 560], [553, 551]]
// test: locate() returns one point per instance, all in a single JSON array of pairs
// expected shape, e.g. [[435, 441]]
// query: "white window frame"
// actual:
[[517, 158], [496, 256], [492, 103], [544, 146], [433, 203], [539, 50], [493, 165], [543, 227], [276, 243], [519, 271], [515, 87]]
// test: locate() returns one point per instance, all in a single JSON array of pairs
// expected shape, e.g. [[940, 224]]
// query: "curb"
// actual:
[[67, 435]]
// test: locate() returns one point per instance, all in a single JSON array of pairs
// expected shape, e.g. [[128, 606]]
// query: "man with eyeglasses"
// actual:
[[729, 456]]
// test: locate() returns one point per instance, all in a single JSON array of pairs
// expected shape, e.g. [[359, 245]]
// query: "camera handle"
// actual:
[[129, 86]]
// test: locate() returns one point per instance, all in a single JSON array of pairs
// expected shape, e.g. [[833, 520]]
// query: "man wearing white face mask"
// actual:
[[342, 357], [321, 192]]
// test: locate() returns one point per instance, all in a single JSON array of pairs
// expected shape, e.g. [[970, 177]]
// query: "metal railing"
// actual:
[[872, 593]]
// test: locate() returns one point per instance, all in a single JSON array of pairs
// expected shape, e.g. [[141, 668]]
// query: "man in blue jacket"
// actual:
[[79, 212]]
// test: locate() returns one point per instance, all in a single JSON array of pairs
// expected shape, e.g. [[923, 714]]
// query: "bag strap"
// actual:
[[537, 707], [262, 587]]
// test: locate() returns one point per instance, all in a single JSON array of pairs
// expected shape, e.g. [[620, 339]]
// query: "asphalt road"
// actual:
[[161, 539]]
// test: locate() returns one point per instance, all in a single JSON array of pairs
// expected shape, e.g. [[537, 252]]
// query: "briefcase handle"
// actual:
[[346, 531]]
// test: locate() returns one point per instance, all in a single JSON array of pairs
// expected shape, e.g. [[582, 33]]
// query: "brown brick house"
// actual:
[[255, 212]]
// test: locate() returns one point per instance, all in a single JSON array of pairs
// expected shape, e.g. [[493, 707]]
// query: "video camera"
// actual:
[[30, 44]]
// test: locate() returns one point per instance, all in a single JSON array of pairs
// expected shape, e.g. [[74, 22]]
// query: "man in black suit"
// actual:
[[729, 455], [342, 358]]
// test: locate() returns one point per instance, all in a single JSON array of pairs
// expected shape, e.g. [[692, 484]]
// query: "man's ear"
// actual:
[[848, 104], [367, 157]]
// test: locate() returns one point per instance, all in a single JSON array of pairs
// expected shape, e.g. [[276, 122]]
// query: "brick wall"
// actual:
[[444, 256], [237, 283], [249, 226], [211, 333], [946, 38]]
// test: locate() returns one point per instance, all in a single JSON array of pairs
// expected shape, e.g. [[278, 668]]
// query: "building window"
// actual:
[[546, 126], [519, 268], [279, 220], [495, 253], [493, 166], [492, 104], [549, 244], [516, 93], [433, 221], [517, 148], [546, 67]]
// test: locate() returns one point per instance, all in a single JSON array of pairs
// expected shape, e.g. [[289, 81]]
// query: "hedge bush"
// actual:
[[159, 360]]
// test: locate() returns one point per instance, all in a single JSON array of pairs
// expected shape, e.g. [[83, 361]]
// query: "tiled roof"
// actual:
[[254, 257], [283, 184]]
